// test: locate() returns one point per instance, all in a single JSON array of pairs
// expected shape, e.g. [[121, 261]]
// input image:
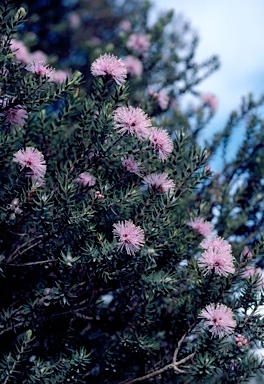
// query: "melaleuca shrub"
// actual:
[[160, 55], [110, 272]]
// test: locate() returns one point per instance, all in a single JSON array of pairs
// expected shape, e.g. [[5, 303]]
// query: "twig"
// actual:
[[17, 250], [173, 365], [31, 263]]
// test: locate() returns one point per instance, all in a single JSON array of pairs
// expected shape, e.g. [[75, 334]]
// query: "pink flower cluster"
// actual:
[[251, 271], [85, 179], [22, 53], [16, 116], [241, 341], [219, 319], [131, 166], [161, 142], [158, 183], [125, 25], [42, 70], [217, 256], [36, 62], [129, 236], [201, 226], [210, 100], [162, 98], [246, 252], [33, 162], [99, 195], [109, 65], [133, 121], [134, 66], [138, 43]]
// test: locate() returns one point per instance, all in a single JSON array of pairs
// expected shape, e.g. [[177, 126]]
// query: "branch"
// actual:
[[173, 365]]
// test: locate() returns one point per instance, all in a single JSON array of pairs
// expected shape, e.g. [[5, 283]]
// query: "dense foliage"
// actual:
[[124, 259]]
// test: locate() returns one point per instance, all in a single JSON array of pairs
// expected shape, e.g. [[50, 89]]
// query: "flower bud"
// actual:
[[21, 13]]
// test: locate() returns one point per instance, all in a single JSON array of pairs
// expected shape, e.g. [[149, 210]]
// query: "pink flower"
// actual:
[[99, 195], [16, 116], [131, 166], [246, 252], [219, 319], [129, 236], [217, 256], [33, 161], [20, 51], [134, 66], [158, 183], [139, 43], [201, 226], [241, 341], [39, 68], [162, 142], [125, 25], [251, 271], [96, 41], [60, 76], [39, 56], [109, 65], [74, 20], [133, 121], [163, 99], [210, 100], [85, 179]]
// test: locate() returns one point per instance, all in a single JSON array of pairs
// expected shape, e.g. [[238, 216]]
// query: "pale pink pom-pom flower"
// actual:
[[138, 42], [162, 142], [39, 56], [85, 179], [125, 25], [201, 226], [39, 68], [132, 166], [109, 65], [60, 76], [210, 100], [32, 161], [16, 116], [163, 99], [20, 51], [134, 65], [158, 183], [129, 236], [133, 121], [217, 256], [219, 319]]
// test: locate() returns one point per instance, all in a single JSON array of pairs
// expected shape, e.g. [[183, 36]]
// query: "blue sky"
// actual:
[[234, 30]]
